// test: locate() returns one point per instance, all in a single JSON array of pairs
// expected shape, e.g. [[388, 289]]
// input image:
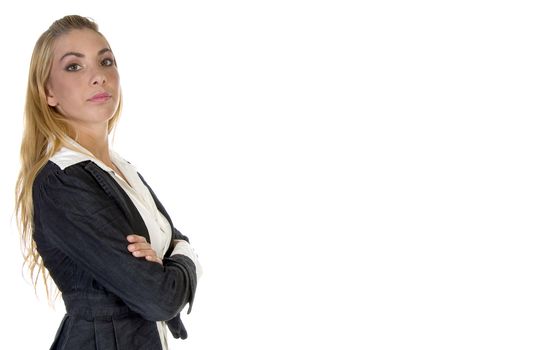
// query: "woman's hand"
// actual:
[[140, 248]]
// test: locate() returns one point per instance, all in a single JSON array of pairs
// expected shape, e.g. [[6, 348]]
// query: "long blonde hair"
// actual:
[[45, 132]]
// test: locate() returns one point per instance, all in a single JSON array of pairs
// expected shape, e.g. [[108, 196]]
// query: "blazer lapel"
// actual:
[[159, 205], [114, 191]]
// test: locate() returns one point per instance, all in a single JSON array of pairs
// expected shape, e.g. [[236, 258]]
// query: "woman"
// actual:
[[87, 217]]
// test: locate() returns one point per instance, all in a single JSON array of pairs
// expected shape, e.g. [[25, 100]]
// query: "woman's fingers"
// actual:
[[136, 238], [140, 248], [144, 252], [153, 259], [137, 243]]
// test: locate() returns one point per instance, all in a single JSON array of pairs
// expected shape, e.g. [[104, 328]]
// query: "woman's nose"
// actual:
[[98, 80], [98, 77]]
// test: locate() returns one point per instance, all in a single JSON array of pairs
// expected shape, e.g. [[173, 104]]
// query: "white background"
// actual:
[[353, 175]]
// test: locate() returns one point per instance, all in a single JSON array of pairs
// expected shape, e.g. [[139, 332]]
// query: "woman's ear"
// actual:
[[51, 100]]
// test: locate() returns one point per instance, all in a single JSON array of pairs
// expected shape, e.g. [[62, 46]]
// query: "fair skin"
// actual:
[[84, 66]]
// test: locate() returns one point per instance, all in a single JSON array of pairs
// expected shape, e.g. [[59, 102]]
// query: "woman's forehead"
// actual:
[[84, 41]]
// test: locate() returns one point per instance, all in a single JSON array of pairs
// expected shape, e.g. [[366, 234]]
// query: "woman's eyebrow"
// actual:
[[78, 54]]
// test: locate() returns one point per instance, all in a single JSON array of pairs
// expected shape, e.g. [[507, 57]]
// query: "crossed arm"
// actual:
[[79, 219], [140, 248]]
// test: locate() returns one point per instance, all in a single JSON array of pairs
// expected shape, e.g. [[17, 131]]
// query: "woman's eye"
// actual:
[[73, 67], [108, 62]]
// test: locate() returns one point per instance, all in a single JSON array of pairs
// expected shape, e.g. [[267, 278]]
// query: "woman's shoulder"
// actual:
[[52, 177], [68, 162], [52, 169], [74, 189]]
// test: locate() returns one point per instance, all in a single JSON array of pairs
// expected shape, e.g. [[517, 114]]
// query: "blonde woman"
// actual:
[[87, 218]]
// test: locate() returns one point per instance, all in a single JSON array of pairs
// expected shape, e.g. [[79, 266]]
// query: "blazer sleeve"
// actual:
[[81, 220]]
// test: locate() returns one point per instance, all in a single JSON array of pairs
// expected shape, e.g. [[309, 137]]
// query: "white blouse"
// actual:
[[157, 225]]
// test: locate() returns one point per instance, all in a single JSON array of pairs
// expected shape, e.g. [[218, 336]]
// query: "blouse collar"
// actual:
[[66, 157]]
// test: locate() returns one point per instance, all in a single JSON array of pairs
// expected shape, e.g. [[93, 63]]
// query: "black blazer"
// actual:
[[81, 219]]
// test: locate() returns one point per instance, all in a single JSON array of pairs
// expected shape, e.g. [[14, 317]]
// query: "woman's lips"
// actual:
[[103, 96]]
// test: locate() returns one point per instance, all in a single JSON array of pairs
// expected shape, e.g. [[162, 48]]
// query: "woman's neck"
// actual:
[[96, 143]]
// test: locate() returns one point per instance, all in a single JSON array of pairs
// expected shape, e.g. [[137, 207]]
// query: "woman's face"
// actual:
[[84, 82]]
